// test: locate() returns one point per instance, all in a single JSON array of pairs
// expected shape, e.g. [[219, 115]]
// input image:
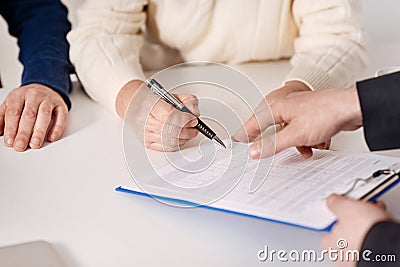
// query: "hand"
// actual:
[[310, 119], [355, 219], [290, 88], [262, 112], [162, 127], [26, 114]]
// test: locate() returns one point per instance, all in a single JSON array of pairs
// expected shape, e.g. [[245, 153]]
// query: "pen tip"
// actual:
[[216, 138]]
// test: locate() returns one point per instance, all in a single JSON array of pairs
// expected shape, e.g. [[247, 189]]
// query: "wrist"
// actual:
[[352, 111], [296, 86], [356, 114], [125, 96]]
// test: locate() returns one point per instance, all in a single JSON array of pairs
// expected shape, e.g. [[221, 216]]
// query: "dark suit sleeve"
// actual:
[[382, 239], [41, 27], [380, 106]]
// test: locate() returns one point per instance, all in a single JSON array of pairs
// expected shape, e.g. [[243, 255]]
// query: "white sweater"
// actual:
[[324, 39]]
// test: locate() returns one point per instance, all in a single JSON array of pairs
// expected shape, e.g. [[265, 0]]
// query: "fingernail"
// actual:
[[255, 151], [20, 144], [193, 122], [9, 141], [35, 141], [53, 138]]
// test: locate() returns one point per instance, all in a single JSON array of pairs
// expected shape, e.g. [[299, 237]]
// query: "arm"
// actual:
[[330, 50], [39, 107], [105, 47], [41, 27], [314, 117], [379, 98]]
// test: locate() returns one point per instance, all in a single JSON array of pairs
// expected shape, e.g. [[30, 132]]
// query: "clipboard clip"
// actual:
[[368, 179]]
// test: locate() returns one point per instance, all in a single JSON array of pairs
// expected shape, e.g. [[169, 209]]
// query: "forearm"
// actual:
[[330, 50], [105, 47], [41, 27]]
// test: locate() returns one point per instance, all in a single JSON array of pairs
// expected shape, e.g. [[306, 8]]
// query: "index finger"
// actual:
[[167, 114], [262, 118]]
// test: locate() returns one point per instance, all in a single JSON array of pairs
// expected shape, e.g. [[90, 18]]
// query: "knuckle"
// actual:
[[278, 104], [191, 98], [169, 149], [171, 142], [15, 93], [193, 133], [46, 111], [62, 107], [39, 132], [166, 129], [167, 111], [13, 111], [58, 129], [23, 135], [35, 92], [29, 113], [10, 129]]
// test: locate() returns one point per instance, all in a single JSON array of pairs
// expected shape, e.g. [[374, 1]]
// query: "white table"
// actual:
[[64, 193]]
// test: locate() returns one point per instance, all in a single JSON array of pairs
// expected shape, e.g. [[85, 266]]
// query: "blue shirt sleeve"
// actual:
[[41, 27]]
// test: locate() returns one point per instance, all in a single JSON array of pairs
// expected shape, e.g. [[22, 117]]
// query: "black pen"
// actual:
[[169, 98]]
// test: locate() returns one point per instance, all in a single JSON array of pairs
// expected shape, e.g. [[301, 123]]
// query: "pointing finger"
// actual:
[[256, 124]]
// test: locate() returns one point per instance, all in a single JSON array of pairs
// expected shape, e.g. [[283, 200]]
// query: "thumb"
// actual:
[[338, 204], [191, 102]]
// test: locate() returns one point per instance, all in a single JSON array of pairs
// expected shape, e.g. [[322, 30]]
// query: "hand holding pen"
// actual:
[[158, 89], [162, 127]]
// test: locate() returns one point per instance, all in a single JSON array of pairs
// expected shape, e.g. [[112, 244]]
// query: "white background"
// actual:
[[102, 228]]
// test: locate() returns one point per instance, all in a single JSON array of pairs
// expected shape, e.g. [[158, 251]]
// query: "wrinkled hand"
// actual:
[[355, 219], [162, 127], [167, 128], [252, 129], [26, 115], [311, 119]]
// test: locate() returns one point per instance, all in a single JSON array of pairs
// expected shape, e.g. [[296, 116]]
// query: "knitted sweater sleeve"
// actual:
[[330, 50], [105, 46]]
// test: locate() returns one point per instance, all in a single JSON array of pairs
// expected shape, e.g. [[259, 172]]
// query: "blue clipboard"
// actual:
[[371, 196]]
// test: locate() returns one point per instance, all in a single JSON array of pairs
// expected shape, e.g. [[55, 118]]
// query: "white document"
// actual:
[[286, 188]]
